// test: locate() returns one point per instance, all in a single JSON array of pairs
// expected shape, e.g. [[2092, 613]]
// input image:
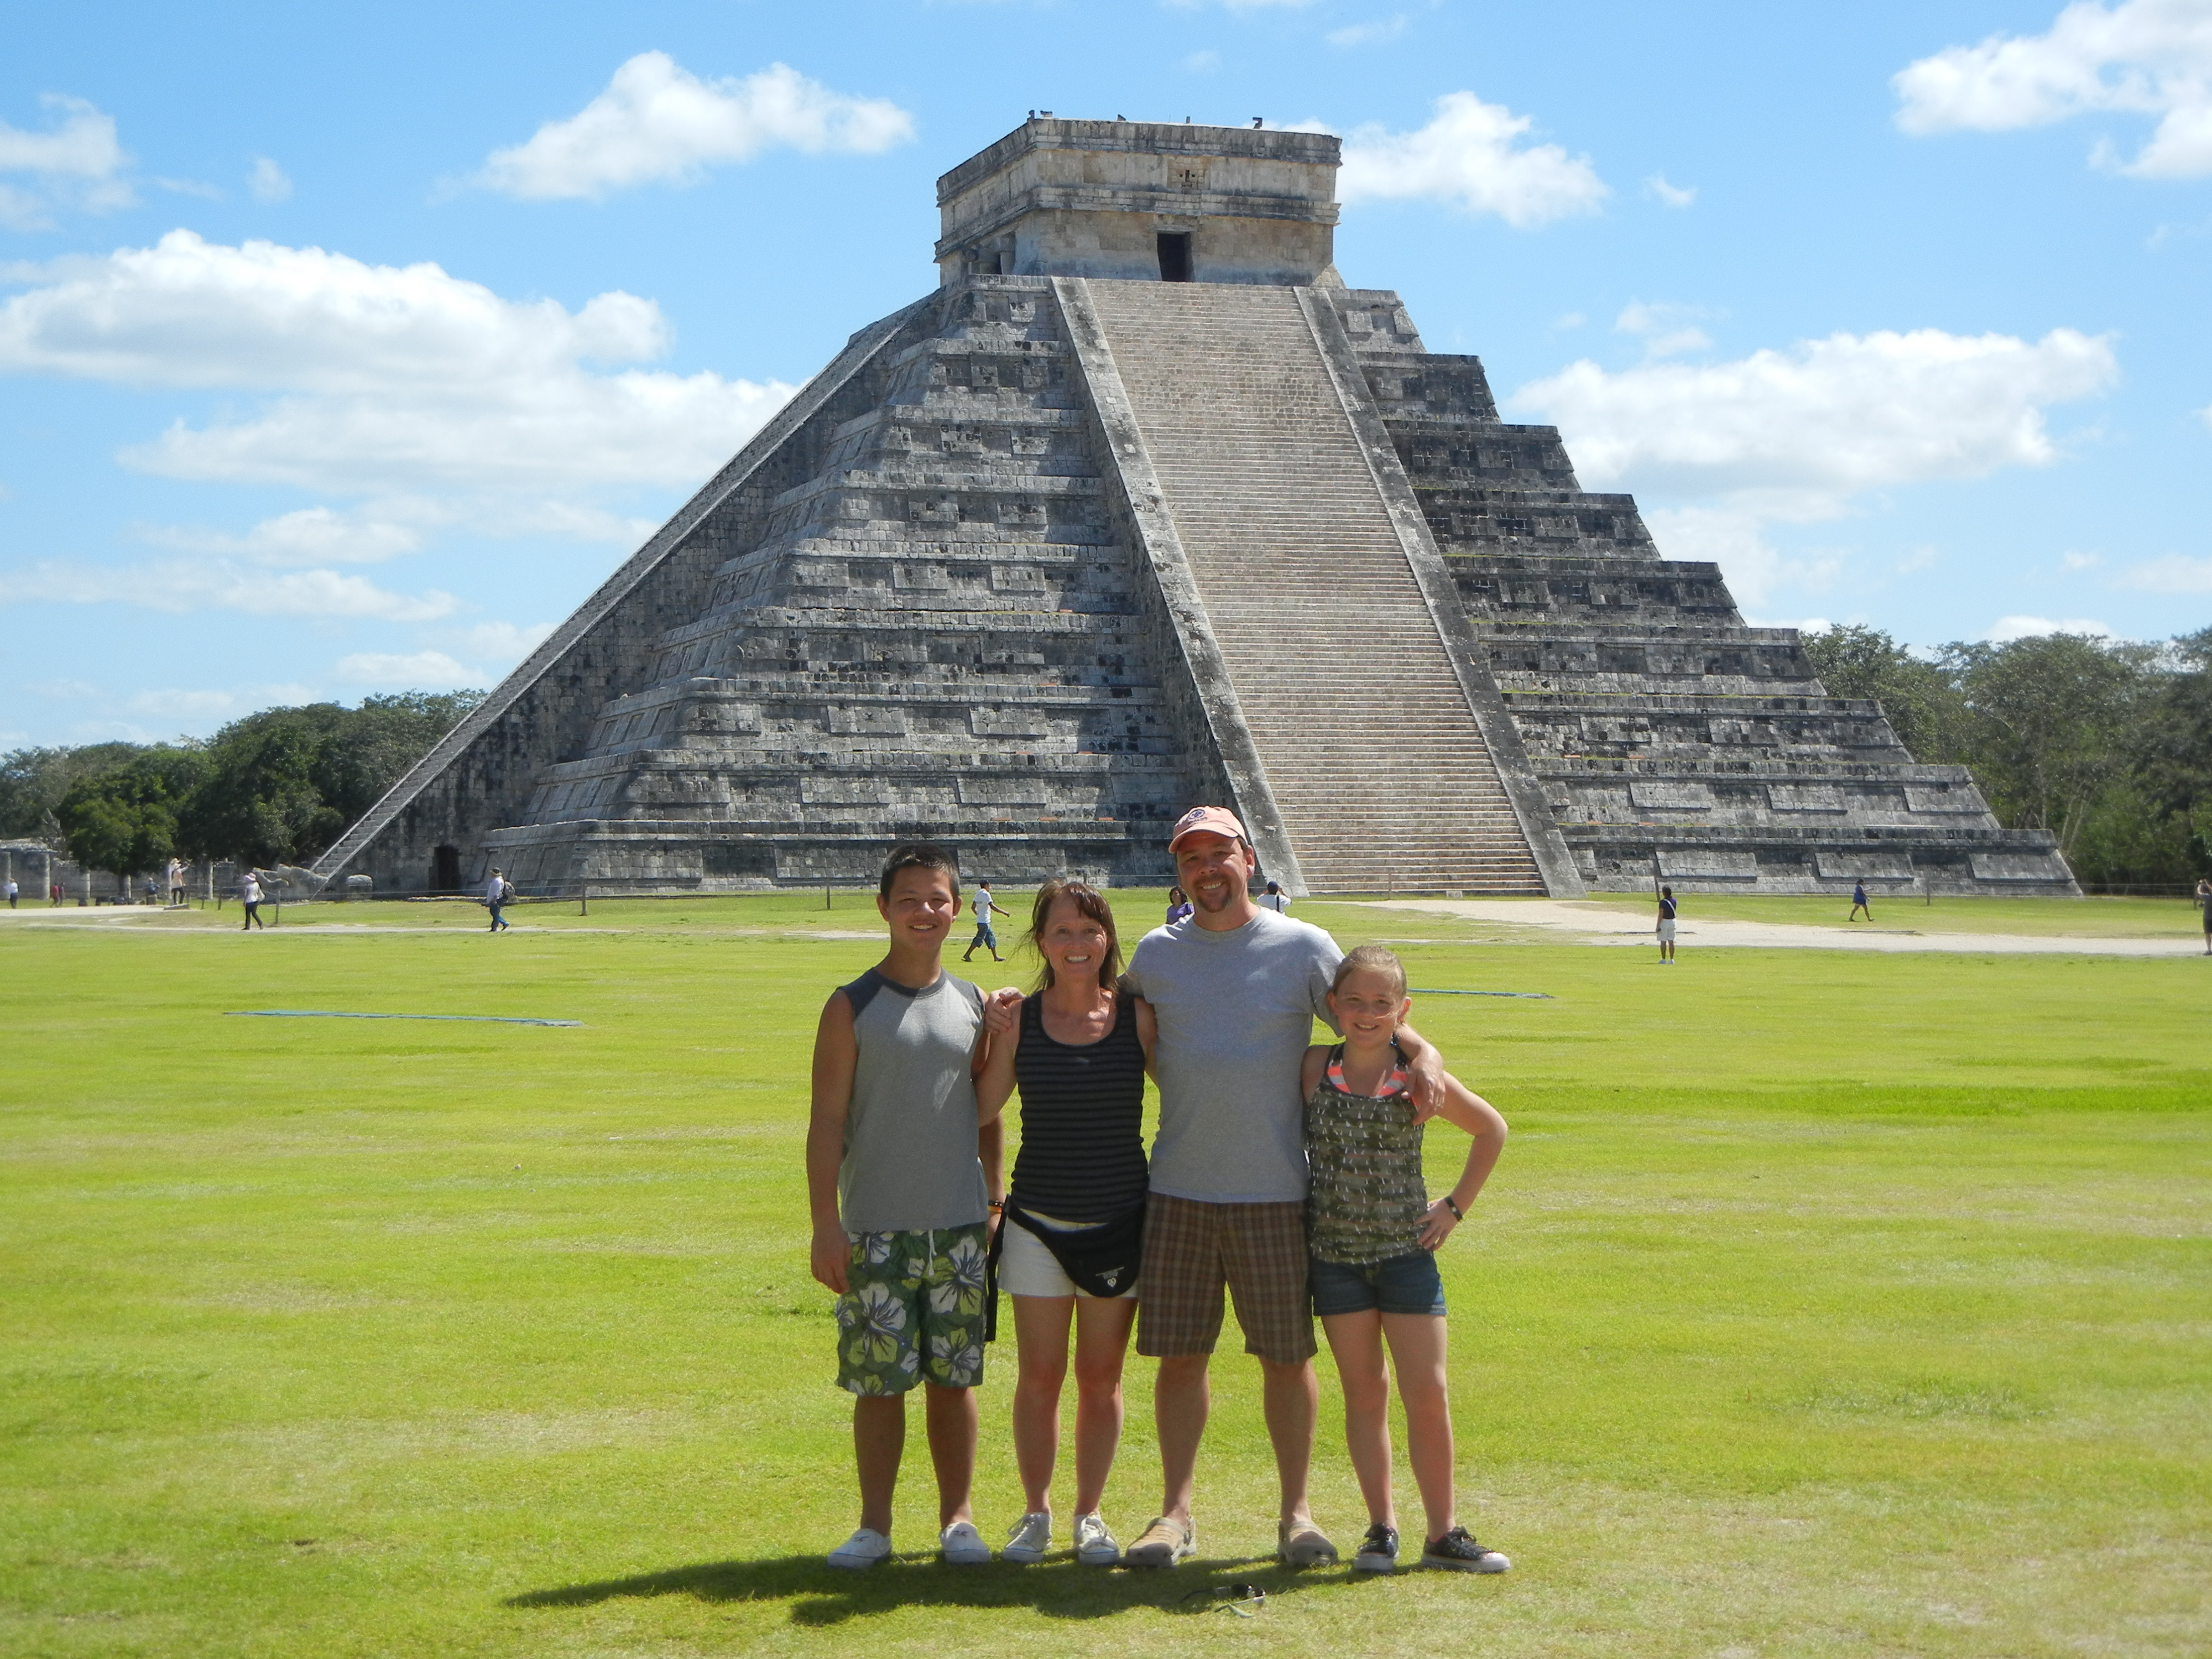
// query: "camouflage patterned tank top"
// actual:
[[1365, 1195]]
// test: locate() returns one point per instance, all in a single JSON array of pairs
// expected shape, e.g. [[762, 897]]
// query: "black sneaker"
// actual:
[[1378, 1551], [1457, 1551]]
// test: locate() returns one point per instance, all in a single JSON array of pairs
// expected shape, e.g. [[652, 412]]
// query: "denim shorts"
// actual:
[[1406, 1284]]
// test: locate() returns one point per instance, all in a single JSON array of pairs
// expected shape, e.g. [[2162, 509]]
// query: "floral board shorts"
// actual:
[[913, 1311]]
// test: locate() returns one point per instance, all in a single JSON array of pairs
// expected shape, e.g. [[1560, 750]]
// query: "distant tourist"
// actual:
[[176, 881], [54, 893], [1859, 903], [1236, 994], [2204, 904], [1072, 1229], [249, 894], [1665, 928], [1275, 899], [983, 904], [900, 1202], [499, 893], [12, 890], [1178, 905], [1374, 1234]]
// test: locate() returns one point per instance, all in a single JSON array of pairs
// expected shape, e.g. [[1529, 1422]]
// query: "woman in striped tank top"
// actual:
[[1071, 1225]]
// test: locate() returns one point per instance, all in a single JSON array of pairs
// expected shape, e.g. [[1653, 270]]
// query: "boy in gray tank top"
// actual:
[[896, 1181]]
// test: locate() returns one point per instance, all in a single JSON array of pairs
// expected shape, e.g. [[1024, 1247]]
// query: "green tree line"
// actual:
[[2107, 744], [275, 787]]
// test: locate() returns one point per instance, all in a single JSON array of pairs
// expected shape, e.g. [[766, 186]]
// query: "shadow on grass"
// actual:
[[821, 1595]]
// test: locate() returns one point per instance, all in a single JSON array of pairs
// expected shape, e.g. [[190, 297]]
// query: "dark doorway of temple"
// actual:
[[1175, 256], [447, 877]]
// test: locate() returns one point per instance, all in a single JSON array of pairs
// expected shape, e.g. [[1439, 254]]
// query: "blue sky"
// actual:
[[346, 354]]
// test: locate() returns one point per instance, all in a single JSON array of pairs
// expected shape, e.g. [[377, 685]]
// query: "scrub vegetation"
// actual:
[[1822, 1303]]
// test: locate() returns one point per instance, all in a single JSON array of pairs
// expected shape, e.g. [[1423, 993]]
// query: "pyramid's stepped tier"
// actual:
[[1670, 739], [936, 632], [1370, 749]]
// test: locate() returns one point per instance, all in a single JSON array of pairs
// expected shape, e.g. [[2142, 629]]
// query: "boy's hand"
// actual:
[[1001, 1011], [1437, 1226], [832, 1250]]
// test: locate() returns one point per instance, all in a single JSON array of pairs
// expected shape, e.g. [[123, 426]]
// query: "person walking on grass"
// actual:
[[249, 894], [1374, 1234], [1072, 1227], [176, 881], [1859, 903], [896, 1152], [1666, 927], [983, 904], [13, 890], [1236, 989], [499, 893], [2204, 904]]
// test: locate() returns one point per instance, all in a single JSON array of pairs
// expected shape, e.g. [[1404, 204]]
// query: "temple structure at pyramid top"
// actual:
[[1143, 507], [1143, 201]]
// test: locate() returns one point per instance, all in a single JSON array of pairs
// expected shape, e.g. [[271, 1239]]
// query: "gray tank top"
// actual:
[[911, 1163]]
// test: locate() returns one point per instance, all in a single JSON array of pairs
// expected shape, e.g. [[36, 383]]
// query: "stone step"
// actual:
[[1306, 582]]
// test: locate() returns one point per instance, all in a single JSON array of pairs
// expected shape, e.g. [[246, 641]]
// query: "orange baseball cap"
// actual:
[[1207, 820]]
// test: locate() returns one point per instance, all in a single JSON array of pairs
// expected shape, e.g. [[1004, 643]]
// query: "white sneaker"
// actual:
[[1031, 1538], [1094, 1545], [861, 1551], [961, 1546]]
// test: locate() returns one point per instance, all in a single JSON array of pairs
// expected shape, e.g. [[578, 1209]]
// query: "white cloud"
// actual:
[[2079, 560], [1734, 538], [2145, 57], [67, 690], [657, 121], [507, 643], [1794, 437], [1370, 34], [1244, 5], [2005, 629], [394, 379], [181, 587], [1805, 428], [1471, 154], [1202, 63], [1668, 331], [73, 164], [267, 181], [213, 704], [2174, 574], [1674, 196], [429, 671], [313, 535]]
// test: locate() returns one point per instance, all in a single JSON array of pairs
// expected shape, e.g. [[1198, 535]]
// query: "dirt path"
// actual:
[[1597, 924]]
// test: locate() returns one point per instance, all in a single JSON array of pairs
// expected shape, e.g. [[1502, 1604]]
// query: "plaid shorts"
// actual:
[[1192, 1249]]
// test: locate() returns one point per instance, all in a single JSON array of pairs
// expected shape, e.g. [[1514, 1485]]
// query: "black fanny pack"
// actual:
[[1103, 1260]]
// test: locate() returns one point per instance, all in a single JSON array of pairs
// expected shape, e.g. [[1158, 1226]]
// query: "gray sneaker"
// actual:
[[1378, 1551], [1029, 1540], [1094, 1545], [1457, 1551]]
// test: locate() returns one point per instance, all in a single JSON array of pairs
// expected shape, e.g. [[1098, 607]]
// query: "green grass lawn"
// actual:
[[1823, 1304]]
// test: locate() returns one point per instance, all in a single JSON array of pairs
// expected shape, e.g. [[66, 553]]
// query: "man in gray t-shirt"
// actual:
[[1237, 989]]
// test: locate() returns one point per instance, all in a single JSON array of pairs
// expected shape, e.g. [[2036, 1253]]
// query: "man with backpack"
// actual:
[[498, 891]]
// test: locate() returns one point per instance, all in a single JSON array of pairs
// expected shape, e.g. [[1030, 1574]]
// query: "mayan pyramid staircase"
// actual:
[[1370, 749]]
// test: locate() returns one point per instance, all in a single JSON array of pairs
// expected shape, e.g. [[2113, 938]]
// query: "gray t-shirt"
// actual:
[[1235, 1013], [911, 1163]]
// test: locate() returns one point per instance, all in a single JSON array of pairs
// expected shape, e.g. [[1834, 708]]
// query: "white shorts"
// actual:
[[1665, 933], [1027, 1267]]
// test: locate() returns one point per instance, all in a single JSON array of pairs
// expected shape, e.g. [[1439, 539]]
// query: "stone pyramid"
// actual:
[[1144, 508]]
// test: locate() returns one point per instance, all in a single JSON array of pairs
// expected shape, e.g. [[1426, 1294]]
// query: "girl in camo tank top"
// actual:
[[1372, 1236]]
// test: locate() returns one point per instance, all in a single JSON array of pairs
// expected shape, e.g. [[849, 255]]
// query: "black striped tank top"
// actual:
[[1083, 1106]]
